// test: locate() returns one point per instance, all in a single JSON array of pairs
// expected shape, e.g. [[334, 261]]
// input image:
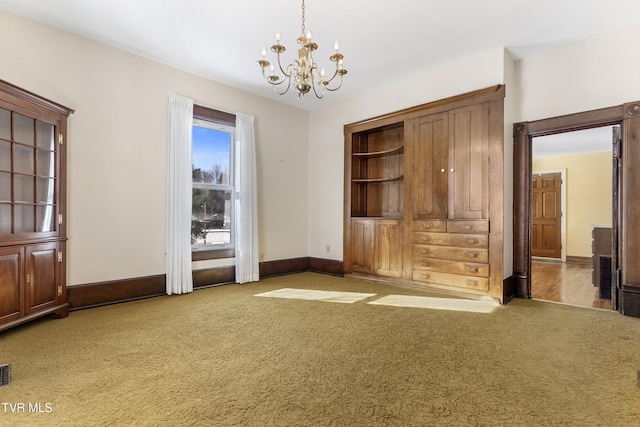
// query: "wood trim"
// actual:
[[579, 259], [116, 291], [42, 105], [628, 116], [326, 266], [453, 102], [285, 266], [509, 288]]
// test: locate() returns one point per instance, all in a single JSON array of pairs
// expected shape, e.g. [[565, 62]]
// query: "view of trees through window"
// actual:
[[211, 220]]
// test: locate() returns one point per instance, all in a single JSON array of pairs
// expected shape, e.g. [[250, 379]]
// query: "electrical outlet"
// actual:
[[328, 248]]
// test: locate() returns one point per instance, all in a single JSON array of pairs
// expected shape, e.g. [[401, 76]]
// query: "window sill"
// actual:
[[212, 254]]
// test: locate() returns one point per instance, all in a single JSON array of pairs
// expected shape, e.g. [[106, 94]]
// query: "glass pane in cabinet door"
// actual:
[[24, 219], [5, 123], [5, 219], [5, 155], [45, 218], [23, 159], [44, 139], [23, 189], [46, 163], [23, 129], [5, 187], [45, 190]]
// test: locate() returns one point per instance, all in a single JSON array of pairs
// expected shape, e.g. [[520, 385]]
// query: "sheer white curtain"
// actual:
[[246, 212], [179, 277]]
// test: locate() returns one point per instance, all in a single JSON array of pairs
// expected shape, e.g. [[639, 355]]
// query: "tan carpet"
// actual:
[[223, 357]]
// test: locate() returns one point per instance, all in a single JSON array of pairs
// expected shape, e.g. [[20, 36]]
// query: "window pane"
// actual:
[[45, 190], [24, 189], [211, 219], [5, 187], [5, 219], [23, 159], [45, 135], [5, 124], [46, 165], [23, 129], [45, 218], [24, 219], [211, 155], [5, 156]]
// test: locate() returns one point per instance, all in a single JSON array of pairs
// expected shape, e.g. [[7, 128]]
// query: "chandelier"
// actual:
[[303, 71]]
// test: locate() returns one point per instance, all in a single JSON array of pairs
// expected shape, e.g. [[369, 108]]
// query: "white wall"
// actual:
[[326, 139], [598, 72], [117, 149]]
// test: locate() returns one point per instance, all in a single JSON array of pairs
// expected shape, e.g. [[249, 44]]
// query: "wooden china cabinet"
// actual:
[[32, 206], [424, 195]]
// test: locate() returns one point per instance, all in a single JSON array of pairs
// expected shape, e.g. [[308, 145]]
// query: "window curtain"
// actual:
[[246, 212], [179, 276]]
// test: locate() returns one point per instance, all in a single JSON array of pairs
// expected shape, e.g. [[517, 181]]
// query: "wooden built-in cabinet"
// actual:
[[32, 206], [418, 205]]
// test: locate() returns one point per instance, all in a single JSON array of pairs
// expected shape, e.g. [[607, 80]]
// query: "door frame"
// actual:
[[627, 116], [563, 207]]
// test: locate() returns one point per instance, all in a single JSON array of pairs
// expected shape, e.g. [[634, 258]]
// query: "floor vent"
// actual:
[[5, 374]]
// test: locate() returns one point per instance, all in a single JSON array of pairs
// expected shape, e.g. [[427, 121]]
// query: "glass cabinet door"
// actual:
[[28, 187]]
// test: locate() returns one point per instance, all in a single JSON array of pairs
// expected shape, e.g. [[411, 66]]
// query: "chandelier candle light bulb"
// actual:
[[303, 71]]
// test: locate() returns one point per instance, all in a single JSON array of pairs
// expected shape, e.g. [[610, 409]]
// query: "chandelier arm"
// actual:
[[335, 88]]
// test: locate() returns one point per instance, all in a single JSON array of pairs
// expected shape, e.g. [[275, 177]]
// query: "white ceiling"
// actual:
[[383, 42]]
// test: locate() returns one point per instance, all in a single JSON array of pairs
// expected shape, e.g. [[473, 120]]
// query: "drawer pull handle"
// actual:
[[473, 240], [468, 227], [472, 268], [425, 238], [424, 251], [472, 254], [427, 226], [472, 282], [425, 276], [425, 263]]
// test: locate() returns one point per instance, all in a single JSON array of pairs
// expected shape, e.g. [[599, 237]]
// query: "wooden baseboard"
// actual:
[[579, 259], [112, 292], [630, 301]]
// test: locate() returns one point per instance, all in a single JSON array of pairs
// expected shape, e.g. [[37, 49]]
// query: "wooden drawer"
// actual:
[[458, 280], [451, 253], [435, 225], [480, 226], [448, 239], [446, 266]]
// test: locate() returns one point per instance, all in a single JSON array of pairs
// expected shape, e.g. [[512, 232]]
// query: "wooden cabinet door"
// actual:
[[11, 276], [469, 162], [388, 247], [41, 291], [362, 245], [430, 163]]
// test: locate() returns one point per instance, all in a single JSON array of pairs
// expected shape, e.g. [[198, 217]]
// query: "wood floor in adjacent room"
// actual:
[[567, 283]]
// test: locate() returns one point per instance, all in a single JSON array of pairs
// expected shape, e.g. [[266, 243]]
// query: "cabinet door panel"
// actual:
[[362, 246], [430, 180], [469, 162], [42, 268], [11, 274], [389, 242]]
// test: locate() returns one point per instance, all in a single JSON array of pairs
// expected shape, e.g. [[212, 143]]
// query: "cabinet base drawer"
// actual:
[[457, 280], [479, 226], [452, 253], [456, 267], [450, 239], [434, 225]]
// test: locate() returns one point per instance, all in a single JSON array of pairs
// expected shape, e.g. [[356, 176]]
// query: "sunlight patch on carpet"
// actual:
[[474, 306], [307, 294]]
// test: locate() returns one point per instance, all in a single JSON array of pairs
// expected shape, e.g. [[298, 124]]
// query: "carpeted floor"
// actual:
[[224, 357]]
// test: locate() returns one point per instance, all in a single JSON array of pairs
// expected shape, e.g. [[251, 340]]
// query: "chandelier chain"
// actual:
[[303, 13]]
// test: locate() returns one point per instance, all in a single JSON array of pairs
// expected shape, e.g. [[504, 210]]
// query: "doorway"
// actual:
[[577, 166]]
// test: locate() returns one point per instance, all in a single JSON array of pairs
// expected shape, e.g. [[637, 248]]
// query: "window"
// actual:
[[212, 228]]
